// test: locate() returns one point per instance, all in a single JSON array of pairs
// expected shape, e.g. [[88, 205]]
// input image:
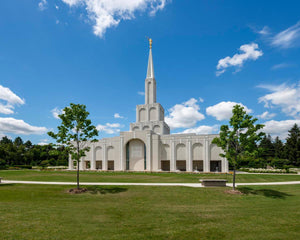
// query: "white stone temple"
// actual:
[[149, 146]]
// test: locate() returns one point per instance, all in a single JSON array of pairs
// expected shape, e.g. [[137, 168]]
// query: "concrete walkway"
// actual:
[[196, 185]]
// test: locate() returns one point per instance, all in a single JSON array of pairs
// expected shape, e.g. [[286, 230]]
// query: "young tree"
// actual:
[[74, 132], [239, 138]]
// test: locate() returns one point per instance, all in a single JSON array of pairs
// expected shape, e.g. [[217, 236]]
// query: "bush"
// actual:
[[23, 166]]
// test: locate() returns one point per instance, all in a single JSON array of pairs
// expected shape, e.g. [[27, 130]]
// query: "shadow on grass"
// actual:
[[264, 192], [105, 190], [7, 184]]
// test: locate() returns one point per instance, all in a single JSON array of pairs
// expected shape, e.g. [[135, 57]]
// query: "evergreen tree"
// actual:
[[266, 146], [292, 146], [278, 148]]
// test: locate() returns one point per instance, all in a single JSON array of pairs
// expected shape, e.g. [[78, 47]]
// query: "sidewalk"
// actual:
[[195, 185]]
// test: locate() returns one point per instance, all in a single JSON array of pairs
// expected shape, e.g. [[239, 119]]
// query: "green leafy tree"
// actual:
[[240, 138], [74, 132]]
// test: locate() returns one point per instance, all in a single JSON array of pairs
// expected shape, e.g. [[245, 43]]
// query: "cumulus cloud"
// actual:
[[279, 128], [117, 115], [109, 128], [223, 110], [283, 96], [55, 112], [203, 129], [8, 100], [43, 142], [43, 5], [248, 52], [266, 115], [105, 14], [184, 115], [16, 126], [287, 38]]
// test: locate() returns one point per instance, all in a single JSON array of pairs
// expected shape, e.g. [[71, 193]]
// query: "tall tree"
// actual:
[[292, 146], [266, 147], [278, 148], [240, 138], [74, 132]]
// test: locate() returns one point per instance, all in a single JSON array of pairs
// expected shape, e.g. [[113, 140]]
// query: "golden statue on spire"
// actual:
[[150, 42]]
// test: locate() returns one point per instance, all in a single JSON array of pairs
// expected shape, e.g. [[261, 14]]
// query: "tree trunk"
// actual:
[[233, 181], [77, 173]]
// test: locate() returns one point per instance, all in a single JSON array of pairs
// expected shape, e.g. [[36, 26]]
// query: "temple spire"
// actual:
[[150, 69], [150, 83]]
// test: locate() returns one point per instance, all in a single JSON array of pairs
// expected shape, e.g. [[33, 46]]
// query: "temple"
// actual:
[[149, 146]]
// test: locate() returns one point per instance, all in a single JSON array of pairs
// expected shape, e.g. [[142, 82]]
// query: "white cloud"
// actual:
[[105, 14], [55, 112], [43, 5], [287, 38], [248, 52], [141, 93], [10, 99], [264, 31], [279, 128], [223, 110], [109, 128], [203, 129], [281, 66], [16, 126], [283, 96], [184, 115], [43, 142], [267, 115], [56, 7], [201, 100], [117, 115]]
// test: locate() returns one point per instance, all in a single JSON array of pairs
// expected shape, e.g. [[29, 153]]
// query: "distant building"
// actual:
[[149, 146]]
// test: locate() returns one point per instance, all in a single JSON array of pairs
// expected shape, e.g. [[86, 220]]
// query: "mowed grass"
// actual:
[[67, 176], [47, 212]]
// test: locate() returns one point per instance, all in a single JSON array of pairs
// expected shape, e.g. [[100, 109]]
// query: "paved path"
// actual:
[[196, 185]]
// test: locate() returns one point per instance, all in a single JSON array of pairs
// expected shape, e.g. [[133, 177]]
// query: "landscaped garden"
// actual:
[[136, 212], [88, 176]]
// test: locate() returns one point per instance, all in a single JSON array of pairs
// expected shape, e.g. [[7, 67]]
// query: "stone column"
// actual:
[[104, 157], [206, 163], [148, 153], [71, 165], [93, 160], [173, 160], [81, 164], [121, 153], [189, 163]]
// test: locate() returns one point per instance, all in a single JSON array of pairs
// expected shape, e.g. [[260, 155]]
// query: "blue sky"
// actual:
[[208, 55]]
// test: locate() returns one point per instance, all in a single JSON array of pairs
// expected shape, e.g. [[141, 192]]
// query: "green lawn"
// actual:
[[65, 176], [47, 212]]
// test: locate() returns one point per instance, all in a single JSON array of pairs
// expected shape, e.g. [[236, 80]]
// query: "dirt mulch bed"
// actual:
[[234, 192], [77, 191]]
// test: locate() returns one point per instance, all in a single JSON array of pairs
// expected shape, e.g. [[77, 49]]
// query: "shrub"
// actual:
[[23, 166]]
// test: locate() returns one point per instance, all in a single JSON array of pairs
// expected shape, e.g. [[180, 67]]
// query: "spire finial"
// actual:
[[150, 43]]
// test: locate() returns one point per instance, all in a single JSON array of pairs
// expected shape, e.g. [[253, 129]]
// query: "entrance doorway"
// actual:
[[136, 155]]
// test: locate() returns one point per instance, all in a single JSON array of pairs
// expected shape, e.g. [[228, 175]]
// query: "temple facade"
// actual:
[[149, 146]]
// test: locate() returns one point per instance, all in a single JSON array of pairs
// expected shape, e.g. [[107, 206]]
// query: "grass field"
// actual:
[[32, 212], [65, 176]]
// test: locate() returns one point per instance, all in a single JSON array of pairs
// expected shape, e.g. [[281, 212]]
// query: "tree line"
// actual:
[[270, 152], [275, 152], [19, 154]]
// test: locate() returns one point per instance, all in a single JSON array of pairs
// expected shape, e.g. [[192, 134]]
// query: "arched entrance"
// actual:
[[136, 155]]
